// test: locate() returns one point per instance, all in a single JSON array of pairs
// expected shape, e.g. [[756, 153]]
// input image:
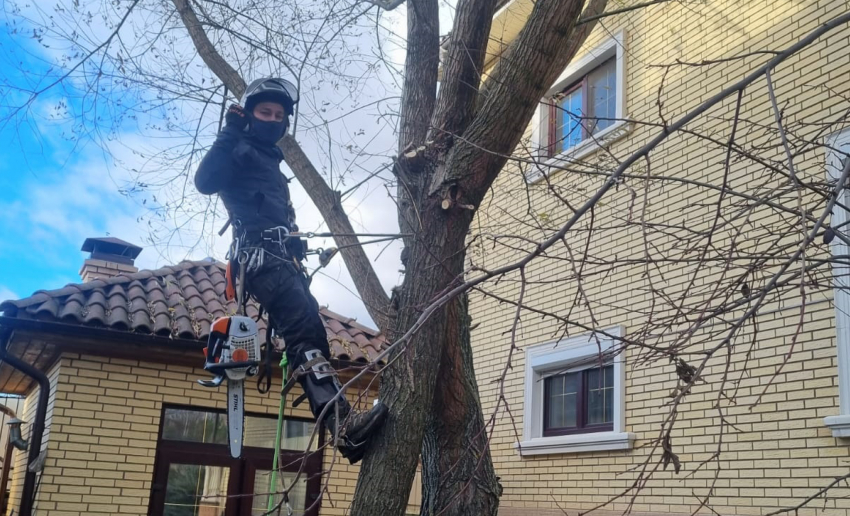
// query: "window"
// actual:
[[578, 402], [840, 424], [572, 404], [211, 427], [583, 109], [195, 474]]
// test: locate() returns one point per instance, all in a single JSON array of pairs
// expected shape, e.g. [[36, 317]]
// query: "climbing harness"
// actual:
[[234, 353], [233, 350]]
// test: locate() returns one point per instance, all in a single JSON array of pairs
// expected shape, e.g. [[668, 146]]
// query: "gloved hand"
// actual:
[[236, 117]]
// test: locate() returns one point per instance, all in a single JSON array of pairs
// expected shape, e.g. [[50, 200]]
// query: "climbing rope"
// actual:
[[284, 366], [310, 234]]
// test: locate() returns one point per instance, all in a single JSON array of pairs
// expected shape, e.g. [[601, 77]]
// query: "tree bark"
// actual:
[[419, 91], [407, 386], [462, 67], [458, 477]]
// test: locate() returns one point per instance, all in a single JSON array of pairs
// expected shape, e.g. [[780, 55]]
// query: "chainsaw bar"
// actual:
[[232, 354], [235, 416]]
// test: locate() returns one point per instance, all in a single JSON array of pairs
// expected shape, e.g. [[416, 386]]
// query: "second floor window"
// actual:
[[583, 108]]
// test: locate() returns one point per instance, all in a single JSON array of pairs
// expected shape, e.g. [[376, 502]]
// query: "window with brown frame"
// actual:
[[196, 476], [583, 109], [579, 402]]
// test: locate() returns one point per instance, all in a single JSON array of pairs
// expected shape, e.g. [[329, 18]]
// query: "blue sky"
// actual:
[[55, 193]]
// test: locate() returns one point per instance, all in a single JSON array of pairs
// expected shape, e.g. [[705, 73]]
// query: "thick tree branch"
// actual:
[[544, 47], [221, 68], [463, 65], [326, 200], [420, 71], [329, 205]]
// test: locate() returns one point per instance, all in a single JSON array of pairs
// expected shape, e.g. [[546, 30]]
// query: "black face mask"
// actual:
[[267, 132]]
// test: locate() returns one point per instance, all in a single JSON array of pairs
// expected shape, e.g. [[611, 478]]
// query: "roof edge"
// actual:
[[41, 296]]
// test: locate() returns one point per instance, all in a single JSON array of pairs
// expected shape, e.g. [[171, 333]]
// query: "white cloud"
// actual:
[[60, 208], [7, 294], [84, 202]]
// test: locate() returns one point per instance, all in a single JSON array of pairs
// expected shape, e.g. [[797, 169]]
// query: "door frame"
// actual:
[[189, 453], [241, 479], [289, 463]]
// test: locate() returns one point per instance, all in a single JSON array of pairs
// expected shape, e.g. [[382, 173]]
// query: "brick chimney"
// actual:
[[108, 257]]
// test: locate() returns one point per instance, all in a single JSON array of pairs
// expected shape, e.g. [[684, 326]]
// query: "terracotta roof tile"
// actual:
[[73, 307], [178, 301], [95, 314], [118, 318]]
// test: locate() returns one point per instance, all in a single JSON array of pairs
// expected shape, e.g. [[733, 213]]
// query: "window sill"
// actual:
[[840, 425], [599, 441], [607, 136]]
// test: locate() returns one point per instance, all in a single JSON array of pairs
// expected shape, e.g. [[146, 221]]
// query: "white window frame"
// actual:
[[840, 424], [611, 47], [549, 357]]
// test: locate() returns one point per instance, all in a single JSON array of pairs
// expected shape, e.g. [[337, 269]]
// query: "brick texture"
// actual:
[[104, 422], [781, 452]]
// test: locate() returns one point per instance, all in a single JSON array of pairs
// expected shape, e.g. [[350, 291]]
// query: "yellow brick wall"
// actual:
[[783, 452], [104, 429]]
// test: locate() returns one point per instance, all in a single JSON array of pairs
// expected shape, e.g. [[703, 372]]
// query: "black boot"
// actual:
[[350, 430]]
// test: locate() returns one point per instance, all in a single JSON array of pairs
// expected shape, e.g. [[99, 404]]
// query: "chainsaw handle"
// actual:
[[215, 382], [219, 368]]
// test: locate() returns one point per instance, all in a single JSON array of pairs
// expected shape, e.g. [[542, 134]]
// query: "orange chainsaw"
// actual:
[[233, 353]]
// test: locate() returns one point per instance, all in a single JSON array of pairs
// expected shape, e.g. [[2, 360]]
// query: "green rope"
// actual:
[[284, 364]]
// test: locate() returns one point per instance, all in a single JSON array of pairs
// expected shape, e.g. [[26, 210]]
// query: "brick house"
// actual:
[[790, 446], [128, 429], [553, 455]]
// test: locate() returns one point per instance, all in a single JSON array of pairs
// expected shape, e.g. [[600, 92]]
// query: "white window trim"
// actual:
[[544, 358], [611, 47], [840, 424]]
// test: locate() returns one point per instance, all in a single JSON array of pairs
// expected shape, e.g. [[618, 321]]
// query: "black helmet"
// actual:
[[270, 90]]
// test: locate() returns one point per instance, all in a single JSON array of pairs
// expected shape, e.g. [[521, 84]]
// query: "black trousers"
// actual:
[[283, 291]]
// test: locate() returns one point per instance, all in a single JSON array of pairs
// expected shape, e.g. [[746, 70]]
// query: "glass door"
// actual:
[[195, 475], [193, 483], [257, 482]]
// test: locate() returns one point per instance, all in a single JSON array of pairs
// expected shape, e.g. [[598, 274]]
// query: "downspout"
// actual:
[[28, 493], [4, 475], [7, 460]]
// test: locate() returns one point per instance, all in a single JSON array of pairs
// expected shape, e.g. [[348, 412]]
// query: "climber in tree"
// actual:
[[242, 167]]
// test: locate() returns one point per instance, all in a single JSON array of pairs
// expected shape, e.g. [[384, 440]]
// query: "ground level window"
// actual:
[[579, 402], [195, 475]]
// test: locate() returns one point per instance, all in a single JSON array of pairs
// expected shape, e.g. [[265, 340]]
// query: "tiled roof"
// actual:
[[179, 301]]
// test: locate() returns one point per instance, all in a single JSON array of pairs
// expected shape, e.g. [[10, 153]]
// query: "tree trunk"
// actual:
[[457, 471], [435, 261]]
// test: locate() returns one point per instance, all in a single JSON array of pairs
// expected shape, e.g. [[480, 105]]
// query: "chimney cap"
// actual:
[[111, 249]]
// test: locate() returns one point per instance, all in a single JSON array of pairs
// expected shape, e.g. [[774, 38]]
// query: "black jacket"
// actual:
[[246, 175]]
